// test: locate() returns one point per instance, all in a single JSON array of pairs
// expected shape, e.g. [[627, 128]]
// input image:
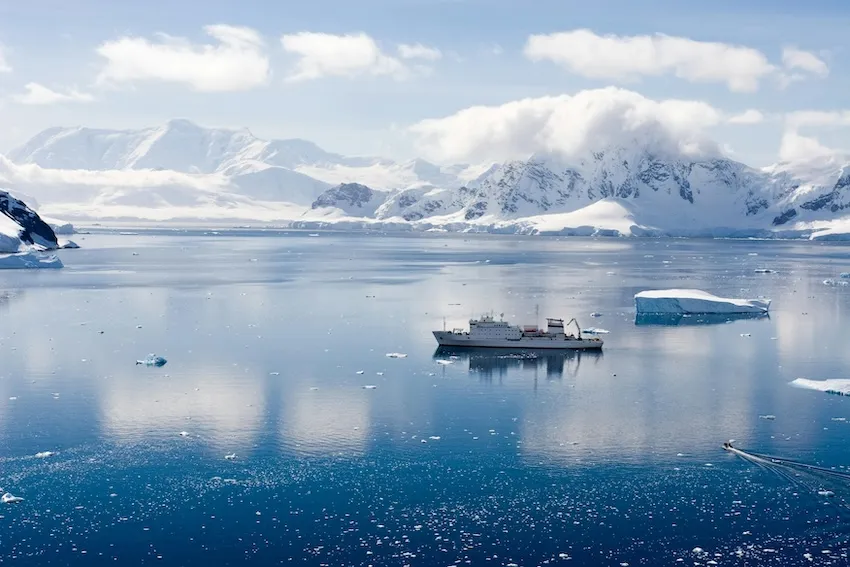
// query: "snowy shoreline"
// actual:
[[360, 226]]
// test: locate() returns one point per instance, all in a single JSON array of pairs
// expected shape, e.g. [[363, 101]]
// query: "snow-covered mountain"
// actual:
[[21, 227], [183, 171]]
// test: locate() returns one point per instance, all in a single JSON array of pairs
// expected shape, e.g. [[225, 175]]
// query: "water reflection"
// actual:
[[678, 319], [487, 362]]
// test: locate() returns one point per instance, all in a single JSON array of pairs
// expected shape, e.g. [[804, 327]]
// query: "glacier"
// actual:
[[694, 301], [180, 172]]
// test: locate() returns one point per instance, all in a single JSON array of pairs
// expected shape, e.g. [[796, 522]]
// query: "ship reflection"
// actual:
[[675, 319], [489, 362]]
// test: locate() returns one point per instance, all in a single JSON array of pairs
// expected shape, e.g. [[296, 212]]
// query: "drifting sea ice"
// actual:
[[694, 301], [152, 360], [7, 498], [836, 283]]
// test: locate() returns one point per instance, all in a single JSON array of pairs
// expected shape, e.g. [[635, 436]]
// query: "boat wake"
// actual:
[[828, 484]]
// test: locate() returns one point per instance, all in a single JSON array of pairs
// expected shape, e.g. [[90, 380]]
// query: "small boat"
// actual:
[[486, 332]]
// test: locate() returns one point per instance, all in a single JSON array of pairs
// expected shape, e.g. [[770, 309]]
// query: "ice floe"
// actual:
[[396, 355], [7, 498], [695, 301], [44, 454], [152, 360], [836, 283], [840, 386]]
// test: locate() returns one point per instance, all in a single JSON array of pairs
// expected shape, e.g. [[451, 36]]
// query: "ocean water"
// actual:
[[259, 441]]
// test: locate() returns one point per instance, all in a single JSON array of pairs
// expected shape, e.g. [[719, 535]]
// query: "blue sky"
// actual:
[[482, 62]]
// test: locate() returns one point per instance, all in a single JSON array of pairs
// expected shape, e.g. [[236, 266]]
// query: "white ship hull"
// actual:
[[448, 338]]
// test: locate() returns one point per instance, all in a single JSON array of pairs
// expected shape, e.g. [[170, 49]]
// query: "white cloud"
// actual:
[[630, 57], [750, 116], [4, 66], [328, 55], [817, 118], [419, 51], [570, 125], [797, 147], [793, 58], [236, 62], [37, 94]]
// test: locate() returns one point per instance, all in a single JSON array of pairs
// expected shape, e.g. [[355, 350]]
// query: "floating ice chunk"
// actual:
[[184, 434], [746, 335], [696, 302], [7, 498], [840, 386], [595, 331], [29, 260], [445, 362], [595, 314], [44, 454], [698, 550], [230, 457], [369, 387], [845, 275], [836, 283], [826, 493], [435, 437], [764, 271], [768, 416], [360, 371], [396, 355], [152, 360], [313, 388]]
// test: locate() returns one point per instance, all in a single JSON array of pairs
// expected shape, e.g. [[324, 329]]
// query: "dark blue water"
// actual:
[[491, 459]]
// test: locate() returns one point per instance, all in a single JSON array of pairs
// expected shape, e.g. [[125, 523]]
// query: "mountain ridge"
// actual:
[[181, 169]]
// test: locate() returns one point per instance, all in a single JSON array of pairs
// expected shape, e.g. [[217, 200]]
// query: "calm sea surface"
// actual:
[[259, 442]]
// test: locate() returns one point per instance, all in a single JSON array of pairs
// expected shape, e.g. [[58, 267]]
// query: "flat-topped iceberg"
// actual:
[[695, 301], [840, 386]]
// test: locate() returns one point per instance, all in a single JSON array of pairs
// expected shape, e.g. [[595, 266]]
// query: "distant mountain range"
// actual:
[[183, 172]]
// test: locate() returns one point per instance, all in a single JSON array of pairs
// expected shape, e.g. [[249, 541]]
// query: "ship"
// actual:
[[486, 332]]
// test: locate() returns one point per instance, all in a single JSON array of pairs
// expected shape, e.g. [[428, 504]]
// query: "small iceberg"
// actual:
[[396, 355], [694, 301], [769, 417], [836, 283], [845, 275], [7, 498], [29, 261], [230, 457], [44, 454], [764, 271], [152, 360], [840, 386], [369, 387]]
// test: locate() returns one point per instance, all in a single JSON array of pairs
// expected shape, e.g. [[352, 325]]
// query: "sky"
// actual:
[[448, 80]]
